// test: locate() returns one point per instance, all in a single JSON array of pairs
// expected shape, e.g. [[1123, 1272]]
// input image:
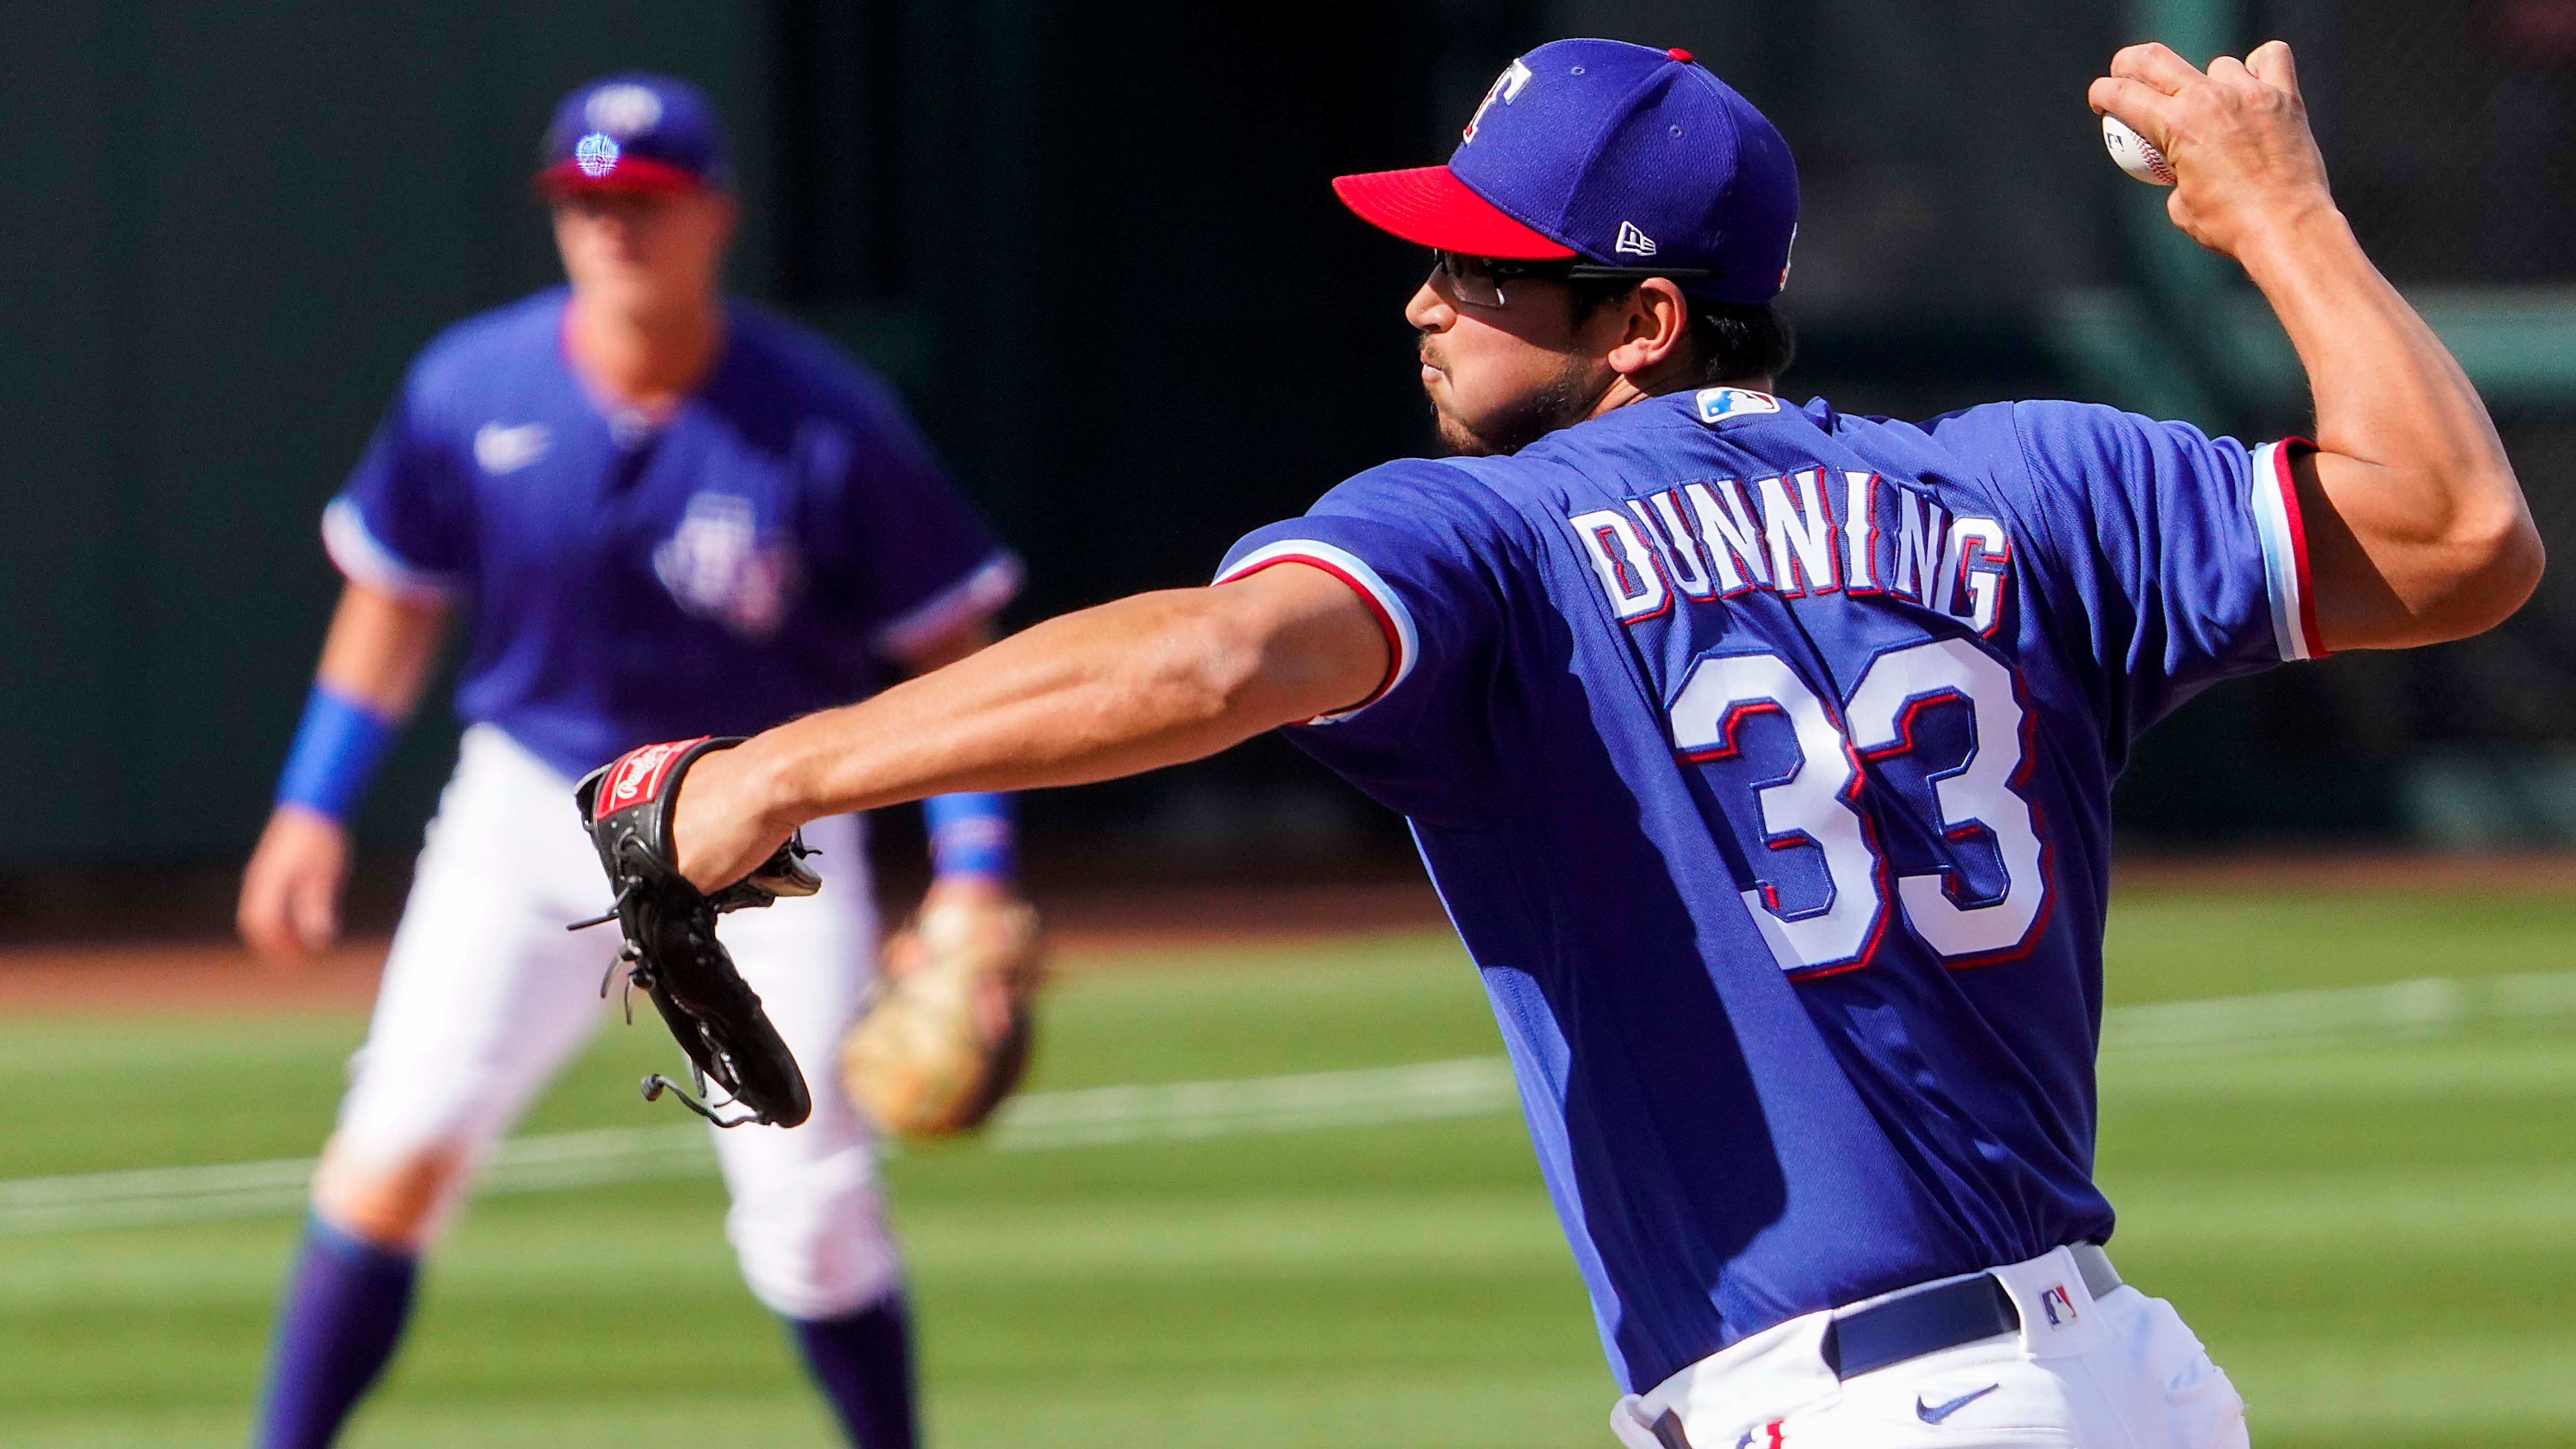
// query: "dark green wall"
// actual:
[[1093, 243], [233, 225], [229, 226]]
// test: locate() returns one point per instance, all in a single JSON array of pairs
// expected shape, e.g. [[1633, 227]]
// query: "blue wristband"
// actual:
[[337, 749], [971, 834]]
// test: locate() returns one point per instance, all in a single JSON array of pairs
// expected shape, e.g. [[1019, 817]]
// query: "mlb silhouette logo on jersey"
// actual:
[[1716, 404], [2058, 1306]]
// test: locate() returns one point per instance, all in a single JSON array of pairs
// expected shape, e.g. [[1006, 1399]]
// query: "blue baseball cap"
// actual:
[[1621, 155], [635, 132]]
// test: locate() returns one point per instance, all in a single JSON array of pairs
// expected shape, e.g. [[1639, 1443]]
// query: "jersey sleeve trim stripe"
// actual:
[[357, 554], [1393, 619], [995, 582], [2285, 550]]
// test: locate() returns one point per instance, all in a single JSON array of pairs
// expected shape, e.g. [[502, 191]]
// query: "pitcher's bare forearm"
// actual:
[[2416, 528], [2423, 524], [1129, 686]]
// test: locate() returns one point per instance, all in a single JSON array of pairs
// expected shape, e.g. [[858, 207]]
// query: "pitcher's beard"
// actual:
[[1561, 404]]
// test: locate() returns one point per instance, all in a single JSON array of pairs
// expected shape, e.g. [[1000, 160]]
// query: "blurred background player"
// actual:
[[668, 512]]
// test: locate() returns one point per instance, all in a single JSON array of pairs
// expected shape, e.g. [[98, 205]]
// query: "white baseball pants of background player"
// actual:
[[486, 995], [2118, 1372]]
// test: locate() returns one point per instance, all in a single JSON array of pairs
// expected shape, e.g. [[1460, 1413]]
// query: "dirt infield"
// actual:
[[1087, 925], [1092, 924]]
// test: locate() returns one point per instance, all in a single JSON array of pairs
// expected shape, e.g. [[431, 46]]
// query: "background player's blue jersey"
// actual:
[[763, 552], [1763, 759]]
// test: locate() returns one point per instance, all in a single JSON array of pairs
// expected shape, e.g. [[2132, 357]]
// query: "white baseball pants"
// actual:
[[486, 995], [2121, 1372]]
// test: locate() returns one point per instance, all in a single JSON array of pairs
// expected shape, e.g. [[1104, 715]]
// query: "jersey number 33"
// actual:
[[1977, 806]]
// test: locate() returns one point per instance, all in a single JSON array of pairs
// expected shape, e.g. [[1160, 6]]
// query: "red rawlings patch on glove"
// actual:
[[638, 775]]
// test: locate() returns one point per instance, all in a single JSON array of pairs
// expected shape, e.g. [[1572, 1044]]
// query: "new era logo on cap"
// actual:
[[1611, 152]]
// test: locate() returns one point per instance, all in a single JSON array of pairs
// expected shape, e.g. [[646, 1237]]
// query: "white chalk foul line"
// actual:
[[1429, 1091], [2426, 1006], [1191, 1111], [164, 1195]]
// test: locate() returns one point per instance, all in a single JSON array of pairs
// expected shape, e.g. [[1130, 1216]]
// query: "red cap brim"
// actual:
[[633, 174], [1431, 206]]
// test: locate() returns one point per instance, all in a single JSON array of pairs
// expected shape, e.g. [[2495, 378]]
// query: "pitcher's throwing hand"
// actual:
[[2237, 138]]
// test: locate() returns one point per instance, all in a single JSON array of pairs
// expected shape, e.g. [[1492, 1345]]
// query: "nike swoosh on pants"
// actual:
[[1935, 1413]]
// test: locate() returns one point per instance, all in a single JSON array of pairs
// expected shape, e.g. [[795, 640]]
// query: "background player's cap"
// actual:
[[1621, 154], [635, 132]]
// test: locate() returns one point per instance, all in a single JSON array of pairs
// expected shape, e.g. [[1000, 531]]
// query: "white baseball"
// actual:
[[2136, 154]]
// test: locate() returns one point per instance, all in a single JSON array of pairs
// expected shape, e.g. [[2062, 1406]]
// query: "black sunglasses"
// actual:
[[1479, 281]]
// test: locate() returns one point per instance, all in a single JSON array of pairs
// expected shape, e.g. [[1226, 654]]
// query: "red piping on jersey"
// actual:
[[2307, 620], [1395, 660]]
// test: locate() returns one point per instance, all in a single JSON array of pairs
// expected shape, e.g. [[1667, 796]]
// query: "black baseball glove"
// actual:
[[671, 947]]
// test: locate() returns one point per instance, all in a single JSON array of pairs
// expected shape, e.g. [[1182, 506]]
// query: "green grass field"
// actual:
[[2375, 1232]]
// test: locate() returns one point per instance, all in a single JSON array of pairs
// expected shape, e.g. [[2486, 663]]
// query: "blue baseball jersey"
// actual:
[[1763, 758], [767, 550]]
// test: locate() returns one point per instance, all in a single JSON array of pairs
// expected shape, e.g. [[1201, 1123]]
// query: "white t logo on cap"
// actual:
[[1506, 86]]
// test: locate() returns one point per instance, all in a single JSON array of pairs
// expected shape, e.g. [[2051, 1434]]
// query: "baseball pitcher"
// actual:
[[664, 510], [1763, 753]]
